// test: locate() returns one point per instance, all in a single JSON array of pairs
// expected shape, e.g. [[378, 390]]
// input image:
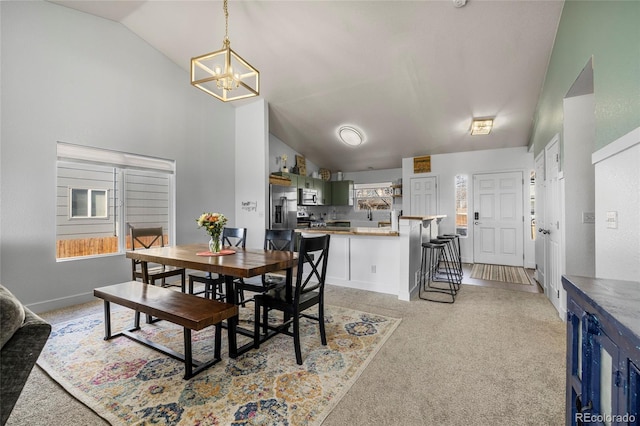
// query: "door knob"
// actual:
[[476, 223]]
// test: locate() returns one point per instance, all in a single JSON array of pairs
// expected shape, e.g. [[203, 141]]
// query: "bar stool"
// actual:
[[453, 247], [458, 251], [436, 267]]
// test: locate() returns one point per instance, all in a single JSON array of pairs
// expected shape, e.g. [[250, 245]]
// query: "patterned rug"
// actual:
[[507, 274], [125, 382]]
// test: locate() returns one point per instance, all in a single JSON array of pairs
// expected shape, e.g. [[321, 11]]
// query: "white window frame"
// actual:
[[89, 214], [379, 185], [121, 162], [464, 234]]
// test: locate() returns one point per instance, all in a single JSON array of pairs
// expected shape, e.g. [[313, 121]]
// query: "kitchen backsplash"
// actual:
[[348, 213]]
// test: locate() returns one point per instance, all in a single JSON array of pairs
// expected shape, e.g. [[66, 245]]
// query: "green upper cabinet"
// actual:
[[339, 193], [327, 192], [342, 193]]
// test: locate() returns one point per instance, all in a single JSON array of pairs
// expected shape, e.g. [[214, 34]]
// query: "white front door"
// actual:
[[540, 223], [424, 200], [498, 226], [552, 223]]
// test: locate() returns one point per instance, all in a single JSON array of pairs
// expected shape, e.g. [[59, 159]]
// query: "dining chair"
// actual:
[[213, 286], [274, 239], [308, 292], [144, 238]]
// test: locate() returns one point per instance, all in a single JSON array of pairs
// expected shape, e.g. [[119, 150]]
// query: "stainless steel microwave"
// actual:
[[307, 197]]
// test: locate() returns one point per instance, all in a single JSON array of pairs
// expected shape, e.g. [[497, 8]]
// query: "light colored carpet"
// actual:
[[494, 357], [502, 273], [126, 382]]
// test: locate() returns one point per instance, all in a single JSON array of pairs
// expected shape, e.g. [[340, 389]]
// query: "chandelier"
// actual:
[[224, 74]]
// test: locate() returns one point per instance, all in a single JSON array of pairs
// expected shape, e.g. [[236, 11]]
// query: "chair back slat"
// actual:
[[234, 237], [146, 237], [314, 253], [279, 239]]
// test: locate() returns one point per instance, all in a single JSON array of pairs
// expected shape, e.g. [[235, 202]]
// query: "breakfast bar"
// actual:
[[378, 259]]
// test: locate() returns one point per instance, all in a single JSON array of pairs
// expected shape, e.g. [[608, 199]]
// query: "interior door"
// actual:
[[498, 227], [423, 196], [551, 231], [540, 223]]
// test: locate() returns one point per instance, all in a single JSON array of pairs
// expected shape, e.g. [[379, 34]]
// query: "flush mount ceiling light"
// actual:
[[350, 136], [224, 74], [481, 126]]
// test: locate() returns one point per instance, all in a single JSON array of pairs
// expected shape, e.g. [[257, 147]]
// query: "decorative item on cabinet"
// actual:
[[325, 174], [603, 351], [397, 190], [301, 164]]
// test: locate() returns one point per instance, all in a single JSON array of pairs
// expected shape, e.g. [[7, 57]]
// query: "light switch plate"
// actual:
[[612, 220], [588, 217]]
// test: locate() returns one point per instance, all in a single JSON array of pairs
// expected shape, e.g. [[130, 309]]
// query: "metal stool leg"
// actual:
[[436, 267]]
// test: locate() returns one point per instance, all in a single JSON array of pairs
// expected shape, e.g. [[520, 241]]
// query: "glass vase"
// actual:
[[214, 244]]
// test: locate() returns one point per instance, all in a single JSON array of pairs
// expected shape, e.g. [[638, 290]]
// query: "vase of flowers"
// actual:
[[213, 224]]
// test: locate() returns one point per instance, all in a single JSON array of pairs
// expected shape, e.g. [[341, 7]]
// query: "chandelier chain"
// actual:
[[226, 22]]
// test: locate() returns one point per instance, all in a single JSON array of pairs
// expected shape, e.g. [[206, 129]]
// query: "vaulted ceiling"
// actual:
[[410, 74]]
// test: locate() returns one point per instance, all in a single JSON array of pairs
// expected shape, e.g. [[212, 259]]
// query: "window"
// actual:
[[461, 205], [86, 203], [373, 196], [101, 192]]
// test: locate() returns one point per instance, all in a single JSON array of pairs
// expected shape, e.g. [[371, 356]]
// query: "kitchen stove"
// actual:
[[308, 221]]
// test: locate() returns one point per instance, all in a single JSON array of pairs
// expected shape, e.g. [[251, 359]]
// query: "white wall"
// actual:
[[579, 180], [251, 173], [446, 166], [69, 76], [277, 148], [618, 190]]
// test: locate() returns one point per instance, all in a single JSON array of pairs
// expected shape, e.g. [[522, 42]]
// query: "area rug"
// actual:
[[127, 383], [508, 274]]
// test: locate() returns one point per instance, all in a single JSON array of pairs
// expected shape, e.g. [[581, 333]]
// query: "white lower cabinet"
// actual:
[[364, 262]]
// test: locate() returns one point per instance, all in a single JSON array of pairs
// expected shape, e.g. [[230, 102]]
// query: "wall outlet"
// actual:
[[588, 217], [612, 220]]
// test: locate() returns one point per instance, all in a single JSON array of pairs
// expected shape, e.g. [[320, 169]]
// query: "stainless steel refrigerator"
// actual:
[[283, 207]]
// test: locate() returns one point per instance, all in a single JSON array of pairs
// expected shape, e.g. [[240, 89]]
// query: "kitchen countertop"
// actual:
[[431, 217], [362, 230]]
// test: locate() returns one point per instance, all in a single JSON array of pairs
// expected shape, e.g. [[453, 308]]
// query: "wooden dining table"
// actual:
[[244, 263]]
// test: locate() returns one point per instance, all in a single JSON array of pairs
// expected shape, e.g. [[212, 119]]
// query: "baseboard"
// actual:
[[63, 302]]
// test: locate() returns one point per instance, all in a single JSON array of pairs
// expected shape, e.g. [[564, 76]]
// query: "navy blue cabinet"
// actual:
[[603, 351]]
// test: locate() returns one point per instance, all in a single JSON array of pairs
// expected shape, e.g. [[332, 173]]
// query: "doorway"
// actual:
[[552, 235], [424, 197], [540, 224], [498, 226]]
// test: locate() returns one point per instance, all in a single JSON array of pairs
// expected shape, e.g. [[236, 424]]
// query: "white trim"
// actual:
[[625, 142], [72, 152]]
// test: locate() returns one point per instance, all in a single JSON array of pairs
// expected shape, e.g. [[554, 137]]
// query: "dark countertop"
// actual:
[[616, 299]]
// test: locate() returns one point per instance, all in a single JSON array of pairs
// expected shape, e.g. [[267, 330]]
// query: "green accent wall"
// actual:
[[608, 31]]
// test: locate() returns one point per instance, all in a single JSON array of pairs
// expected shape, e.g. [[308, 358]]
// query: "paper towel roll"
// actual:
[[394, 220]]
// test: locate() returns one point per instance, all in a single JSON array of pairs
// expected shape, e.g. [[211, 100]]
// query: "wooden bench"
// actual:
[[190, 312]]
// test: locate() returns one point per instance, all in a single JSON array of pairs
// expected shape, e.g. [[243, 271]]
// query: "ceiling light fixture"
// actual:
[[224, 74], [350, 136], [481, 126]]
